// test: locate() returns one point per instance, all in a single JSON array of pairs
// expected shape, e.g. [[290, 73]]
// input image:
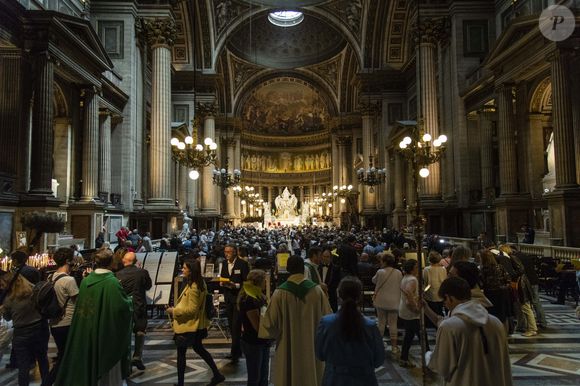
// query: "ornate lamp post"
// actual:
[[421, 151], [194, 155], [372, 176]]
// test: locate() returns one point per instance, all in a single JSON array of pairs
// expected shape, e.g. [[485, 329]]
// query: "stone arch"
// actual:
[[59, 102], [541, 99]]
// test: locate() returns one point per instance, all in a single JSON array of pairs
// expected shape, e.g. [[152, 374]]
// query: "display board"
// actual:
[[162, 294], [166, 268], [152, 264]]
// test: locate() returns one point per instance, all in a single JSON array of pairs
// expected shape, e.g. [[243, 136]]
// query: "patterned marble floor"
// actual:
[[551, 358]]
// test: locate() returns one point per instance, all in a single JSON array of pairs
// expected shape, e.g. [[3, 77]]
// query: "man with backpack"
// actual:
[[66, 290], [136, 281]]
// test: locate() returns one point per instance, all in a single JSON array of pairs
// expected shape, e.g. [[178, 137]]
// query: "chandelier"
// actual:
[[194, 155], [324, 200], [246, 194], [372, 176], [421, 149], [225, 179], [343, 192]]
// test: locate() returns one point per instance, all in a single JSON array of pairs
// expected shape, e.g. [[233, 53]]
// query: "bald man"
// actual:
[[136, 282]]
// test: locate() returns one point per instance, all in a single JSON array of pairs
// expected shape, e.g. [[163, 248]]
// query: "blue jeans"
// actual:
[[257, 363], [540, 314]]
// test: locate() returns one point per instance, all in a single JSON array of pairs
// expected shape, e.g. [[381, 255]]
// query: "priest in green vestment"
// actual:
[[291, 319], [99, 341]]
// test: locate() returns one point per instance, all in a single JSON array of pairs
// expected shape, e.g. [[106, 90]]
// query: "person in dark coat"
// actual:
[[348, 257], [136, 281], [330, 275], [529, 263], [236, 270]]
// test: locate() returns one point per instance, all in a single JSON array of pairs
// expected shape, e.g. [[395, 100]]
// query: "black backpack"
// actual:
[[45, 299]]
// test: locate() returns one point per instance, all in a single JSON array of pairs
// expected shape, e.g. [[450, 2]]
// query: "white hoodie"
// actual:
[[471, 348]]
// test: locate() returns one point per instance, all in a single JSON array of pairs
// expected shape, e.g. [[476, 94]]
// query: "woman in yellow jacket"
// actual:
[[190, 322]]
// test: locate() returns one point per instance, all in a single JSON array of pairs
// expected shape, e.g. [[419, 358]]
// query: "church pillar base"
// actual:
[[564, 208]]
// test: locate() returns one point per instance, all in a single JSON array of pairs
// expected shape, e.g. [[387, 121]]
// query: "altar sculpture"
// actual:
[[286, 213], [286, 205]]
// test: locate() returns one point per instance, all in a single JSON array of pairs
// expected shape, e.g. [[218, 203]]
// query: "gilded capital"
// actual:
[[159, 32], [368, 108], [207, 109], [430, 30]]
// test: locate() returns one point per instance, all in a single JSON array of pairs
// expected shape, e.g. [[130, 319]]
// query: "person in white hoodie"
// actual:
[[471, 346]]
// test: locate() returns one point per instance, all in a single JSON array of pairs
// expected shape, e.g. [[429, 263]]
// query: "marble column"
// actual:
[[390, 182], [506, 140], [42, 130], [90, 169], [399, 181], [486, 137], [210, 192], [562, 120], [368, 198], [427, 34], [105, 155], [343, 142], [160, 35]]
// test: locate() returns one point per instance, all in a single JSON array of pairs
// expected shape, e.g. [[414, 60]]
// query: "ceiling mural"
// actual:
[[285, 106]]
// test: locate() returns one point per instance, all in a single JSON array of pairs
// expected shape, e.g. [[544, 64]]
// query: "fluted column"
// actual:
[[390, 182], [368, 198], [506, 140], [230, 144], [160, 34], [485, 137], [105, 155], [562, 120], [90, 167], [42, 130], [210, 193], [399, 181], [426, 34]]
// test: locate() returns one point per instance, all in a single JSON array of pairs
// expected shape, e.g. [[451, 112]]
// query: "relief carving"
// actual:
[[286, 162]]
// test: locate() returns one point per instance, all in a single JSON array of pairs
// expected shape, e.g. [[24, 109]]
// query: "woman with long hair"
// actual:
[[387, 297], [190, 322], [348, 342], [30, 339], [409, 309], [257, 351]]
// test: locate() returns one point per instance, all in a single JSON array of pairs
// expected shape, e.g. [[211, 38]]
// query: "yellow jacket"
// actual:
[[189, 312]]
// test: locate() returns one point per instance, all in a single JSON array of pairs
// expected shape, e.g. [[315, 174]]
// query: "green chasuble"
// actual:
[[100, 333], [299, 290]]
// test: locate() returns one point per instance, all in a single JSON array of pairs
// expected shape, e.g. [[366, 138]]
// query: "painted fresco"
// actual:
[[285, 108]]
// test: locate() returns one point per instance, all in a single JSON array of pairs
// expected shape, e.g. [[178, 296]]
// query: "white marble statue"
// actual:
[[286, 204], [185, 230]]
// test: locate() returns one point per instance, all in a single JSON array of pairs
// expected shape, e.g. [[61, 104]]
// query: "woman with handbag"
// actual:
[[190, 322], [387, 297], [409, 309]]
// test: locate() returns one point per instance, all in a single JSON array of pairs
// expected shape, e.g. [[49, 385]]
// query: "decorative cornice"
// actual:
[[159, 32]]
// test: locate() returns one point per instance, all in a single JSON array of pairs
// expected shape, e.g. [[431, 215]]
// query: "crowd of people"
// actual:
[[314, 317]]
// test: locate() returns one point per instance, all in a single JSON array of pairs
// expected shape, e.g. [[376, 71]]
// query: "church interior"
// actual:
[[355, 114]]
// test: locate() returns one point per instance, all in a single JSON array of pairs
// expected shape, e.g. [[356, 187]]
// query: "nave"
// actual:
[[550, 358]]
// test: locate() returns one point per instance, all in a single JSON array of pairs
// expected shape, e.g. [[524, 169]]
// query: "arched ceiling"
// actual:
[[260, 42], [232, 42]]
